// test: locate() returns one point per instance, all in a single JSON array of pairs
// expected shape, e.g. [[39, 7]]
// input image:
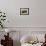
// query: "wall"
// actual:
[[36, 18], [35, 21]]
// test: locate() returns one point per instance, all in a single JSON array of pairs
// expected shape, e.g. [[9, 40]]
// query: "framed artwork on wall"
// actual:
[[24, 11]]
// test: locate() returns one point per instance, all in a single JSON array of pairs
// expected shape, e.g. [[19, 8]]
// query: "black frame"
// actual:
[[25, 11]]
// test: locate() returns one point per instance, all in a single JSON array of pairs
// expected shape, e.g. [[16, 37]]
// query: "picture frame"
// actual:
[[24, 11]]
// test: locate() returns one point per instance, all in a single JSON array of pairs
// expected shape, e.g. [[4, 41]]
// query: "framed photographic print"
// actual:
[[24, 11]]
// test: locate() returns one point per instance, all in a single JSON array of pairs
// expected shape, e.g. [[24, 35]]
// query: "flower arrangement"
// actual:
[[2, 19]]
